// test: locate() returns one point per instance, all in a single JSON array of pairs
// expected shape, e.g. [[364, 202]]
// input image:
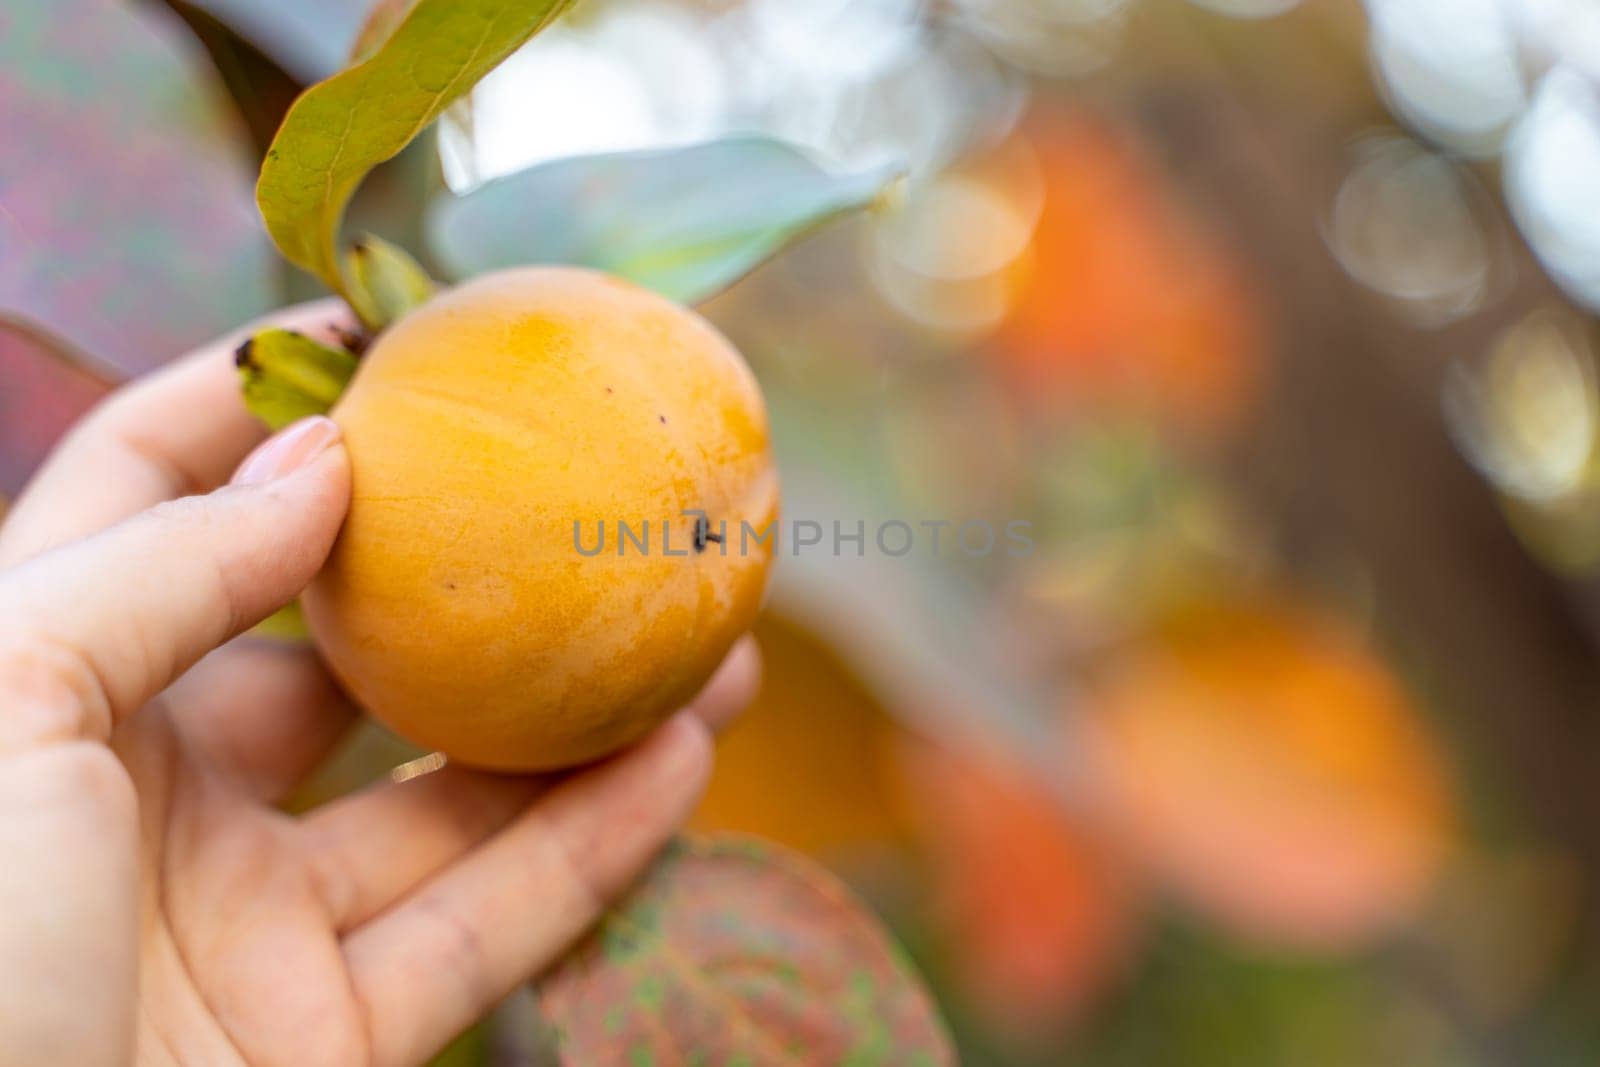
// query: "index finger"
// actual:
[[178, 431]]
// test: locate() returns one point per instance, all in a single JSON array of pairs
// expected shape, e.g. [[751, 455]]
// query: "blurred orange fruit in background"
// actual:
[[1038, 915], [1271, 772], [1029, 907], [805, 764], [1131, 303]]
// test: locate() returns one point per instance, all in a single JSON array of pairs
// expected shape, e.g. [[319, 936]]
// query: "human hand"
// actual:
[[155, 904]]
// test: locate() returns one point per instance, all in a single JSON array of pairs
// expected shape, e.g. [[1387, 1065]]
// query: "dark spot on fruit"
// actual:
[[241, 355], [703, 534], [609, 389], [449, 585], [663, 419]]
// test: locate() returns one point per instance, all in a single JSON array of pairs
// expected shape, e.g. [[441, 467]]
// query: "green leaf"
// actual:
[[385, 282], [287, 624], [733, 950], [341, 128], [126, 227], [287, 376], [686, 222], [471, 1049]]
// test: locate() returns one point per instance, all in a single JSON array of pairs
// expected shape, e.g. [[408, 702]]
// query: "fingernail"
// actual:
[[288, 450]]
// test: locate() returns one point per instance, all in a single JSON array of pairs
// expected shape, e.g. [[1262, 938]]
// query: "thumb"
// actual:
[[94, 629]]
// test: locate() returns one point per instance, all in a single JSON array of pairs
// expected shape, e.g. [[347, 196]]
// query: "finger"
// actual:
[[370, 848], [732, 687], [454, 948], [173, 433], [262, 713], [68, 829], [96, 628]]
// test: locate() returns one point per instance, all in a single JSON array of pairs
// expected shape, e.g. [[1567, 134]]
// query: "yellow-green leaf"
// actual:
[[287, 624], [340, 129], [385, 282], [287, 376]]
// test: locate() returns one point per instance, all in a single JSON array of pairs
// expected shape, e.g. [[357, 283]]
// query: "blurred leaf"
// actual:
[[287, 624], [472, 1049], [43, 390], [1502, 926], [686, 222], [260, 89], [341, 128], [308, 38], [287, 376], [385, 282], [1203, 1002], [732, 951], [125, 220]]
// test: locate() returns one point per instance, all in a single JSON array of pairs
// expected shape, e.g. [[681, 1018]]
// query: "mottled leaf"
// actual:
[[308, 38], [686, 222], [44, 388], [343, 127], [286, 376], [733, 951], [125, 218]]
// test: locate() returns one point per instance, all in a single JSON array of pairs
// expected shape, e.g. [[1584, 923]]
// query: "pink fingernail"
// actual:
[[288, 450]]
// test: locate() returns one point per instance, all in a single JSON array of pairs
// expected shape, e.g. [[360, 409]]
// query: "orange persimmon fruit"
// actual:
[[1273, 774], [807, 764], [474, 602]]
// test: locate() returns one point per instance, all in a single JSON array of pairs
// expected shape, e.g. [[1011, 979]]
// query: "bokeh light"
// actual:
[[1527, 417], [639, 76], [1553, 181], [1450, 67], [1410, 224], [956, 255], [1053, 37], [1249, 9]]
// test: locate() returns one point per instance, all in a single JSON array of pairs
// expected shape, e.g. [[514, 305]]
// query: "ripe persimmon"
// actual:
[[479, 599], [807, 764], [1273, 774]]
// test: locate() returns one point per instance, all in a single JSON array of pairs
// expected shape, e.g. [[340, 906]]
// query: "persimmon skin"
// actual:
[[456, 606]]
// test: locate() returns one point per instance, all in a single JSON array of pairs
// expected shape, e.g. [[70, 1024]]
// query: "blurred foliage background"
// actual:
[[1273, 318]]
